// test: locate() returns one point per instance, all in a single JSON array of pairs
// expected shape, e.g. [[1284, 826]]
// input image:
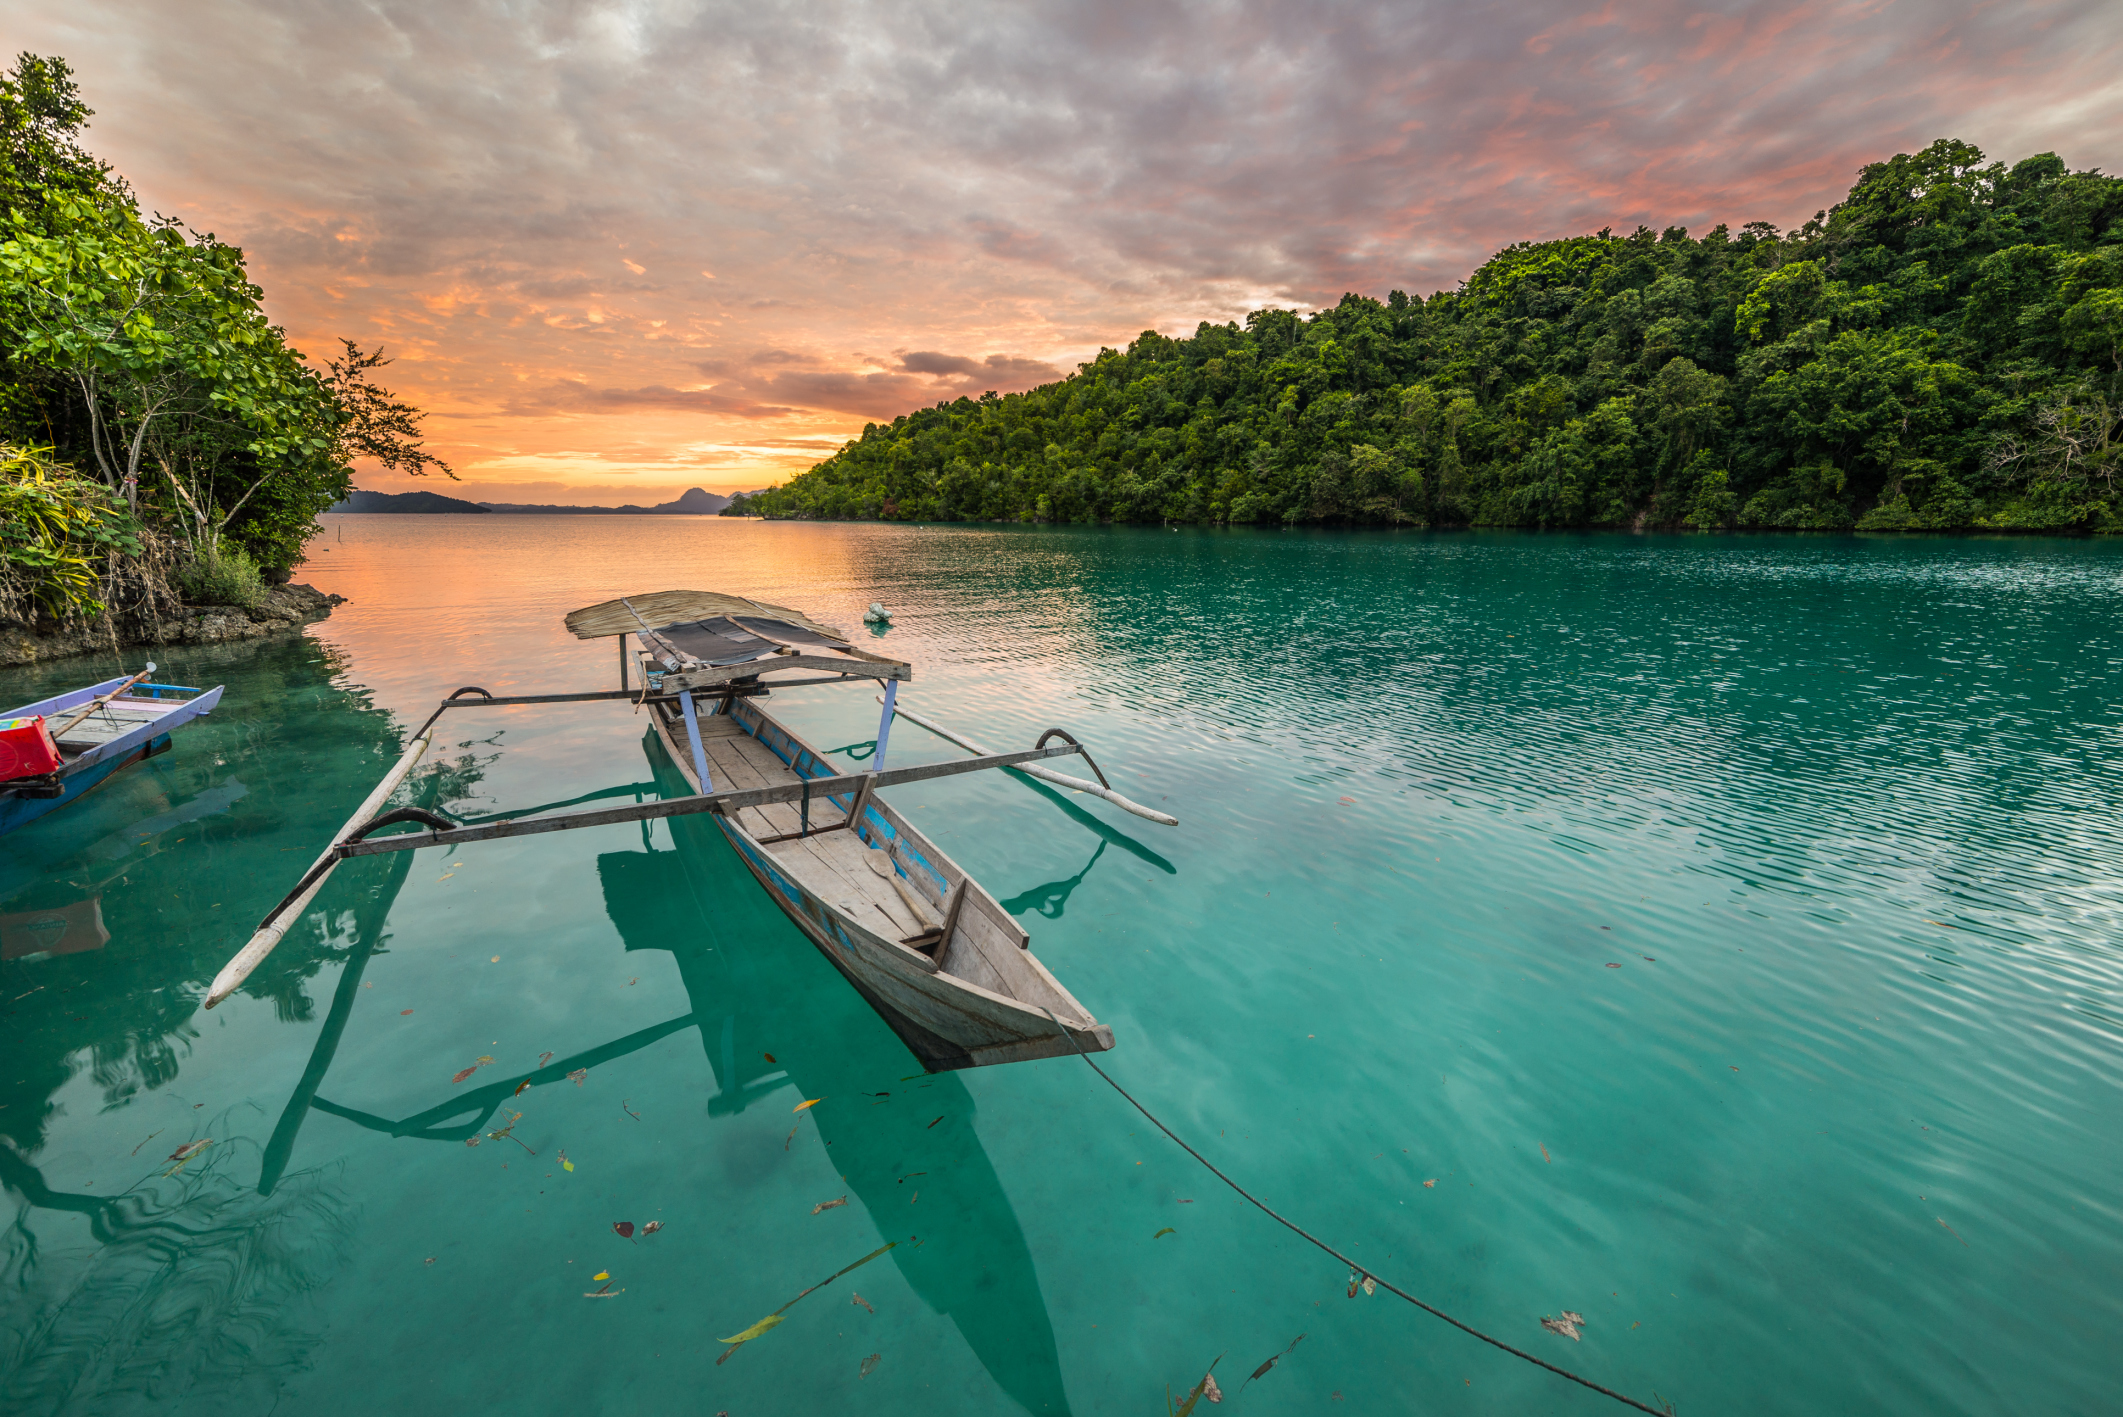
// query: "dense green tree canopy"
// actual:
[[1943, 349], [137, 351]]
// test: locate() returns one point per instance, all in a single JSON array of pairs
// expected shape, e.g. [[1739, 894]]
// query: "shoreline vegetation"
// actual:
[[1940, 351], [164, 452]]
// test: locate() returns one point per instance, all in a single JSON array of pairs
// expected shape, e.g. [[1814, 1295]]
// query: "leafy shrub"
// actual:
[[223, 575], [55, 527]]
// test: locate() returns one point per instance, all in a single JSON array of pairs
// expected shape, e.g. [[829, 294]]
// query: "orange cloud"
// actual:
[[704, 245]]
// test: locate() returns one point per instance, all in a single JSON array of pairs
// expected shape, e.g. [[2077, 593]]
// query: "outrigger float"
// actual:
[[931, 951]]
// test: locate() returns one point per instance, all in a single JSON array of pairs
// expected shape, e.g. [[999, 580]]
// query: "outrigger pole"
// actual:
[[349, 840], [1101, 788]]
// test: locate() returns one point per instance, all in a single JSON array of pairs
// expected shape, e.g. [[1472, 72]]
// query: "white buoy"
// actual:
[[877, 614]]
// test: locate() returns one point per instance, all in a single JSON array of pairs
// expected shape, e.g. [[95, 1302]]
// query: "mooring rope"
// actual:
[[1354, 1267]]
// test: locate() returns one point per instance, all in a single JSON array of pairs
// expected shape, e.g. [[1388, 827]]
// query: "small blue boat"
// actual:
[[129, 721]]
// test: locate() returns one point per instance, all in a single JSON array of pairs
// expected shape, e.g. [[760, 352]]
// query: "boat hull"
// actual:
[[21, 811], [947, 1020]]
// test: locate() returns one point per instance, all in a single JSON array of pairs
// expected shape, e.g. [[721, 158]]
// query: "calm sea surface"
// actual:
[[1730, 928]]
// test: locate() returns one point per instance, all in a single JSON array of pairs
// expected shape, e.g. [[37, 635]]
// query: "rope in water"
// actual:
[[1270, 1212]]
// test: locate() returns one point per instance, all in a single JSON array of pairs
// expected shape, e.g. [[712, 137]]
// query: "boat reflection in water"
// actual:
[[756, 989], [973, 1264]]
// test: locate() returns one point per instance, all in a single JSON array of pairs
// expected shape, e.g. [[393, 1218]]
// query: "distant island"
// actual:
[[1942, 350], [693, 502]]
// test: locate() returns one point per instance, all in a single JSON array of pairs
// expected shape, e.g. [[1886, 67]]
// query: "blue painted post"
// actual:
[[700, 757], [884, 726]]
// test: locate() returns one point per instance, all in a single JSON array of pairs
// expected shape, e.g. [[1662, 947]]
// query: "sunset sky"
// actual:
[[623, 249]]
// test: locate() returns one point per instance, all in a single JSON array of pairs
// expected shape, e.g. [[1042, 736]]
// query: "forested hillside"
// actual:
[[1943, 349]]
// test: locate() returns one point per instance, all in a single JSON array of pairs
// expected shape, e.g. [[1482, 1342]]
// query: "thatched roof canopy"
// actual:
[[669, 607]]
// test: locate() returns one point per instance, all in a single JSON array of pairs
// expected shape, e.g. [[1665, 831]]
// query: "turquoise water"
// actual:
[[1839, 1134]]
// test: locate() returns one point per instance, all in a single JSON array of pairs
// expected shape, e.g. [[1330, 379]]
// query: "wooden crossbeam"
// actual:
[[729, 801]]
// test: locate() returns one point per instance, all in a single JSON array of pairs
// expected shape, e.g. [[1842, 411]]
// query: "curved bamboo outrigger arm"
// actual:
[[1077, 784]]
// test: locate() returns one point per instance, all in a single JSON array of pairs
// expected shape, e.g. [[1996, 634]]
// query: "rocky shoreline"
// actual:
[[287, 607]]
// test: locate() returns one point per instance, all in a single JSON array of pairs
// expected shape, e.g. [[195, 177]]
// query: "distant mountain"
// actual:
[[404, 502], [693, 502]]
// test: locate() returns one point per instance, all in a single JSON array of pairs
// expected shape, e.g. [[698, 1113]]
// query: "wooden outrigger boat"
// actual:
[[931, 951], [95, 732]]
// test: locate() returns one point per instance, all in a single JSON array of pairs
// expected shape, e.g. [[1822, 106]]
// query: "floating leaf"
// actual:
[[651, 1228], [1201, 1390], [486, 1058], [1567, 1325], [864, 1302], [939, 1119], [1168, 1230], [1544, 1154], [1370, 1286], [471, 1141], [869, 1365], [754, 1331], [578, 1075], [770, 1058], [495, 960], [774, 1318], [601, 1276], [1430, 1184], [465, 1074], [1262, 1370], [190, 1149], [625, 1228], [565, 1164], [1209, 1388], [520, 1088], [1354, 1284], [828, 1205], [812, 1103], [403, 1012], [544, 1058]]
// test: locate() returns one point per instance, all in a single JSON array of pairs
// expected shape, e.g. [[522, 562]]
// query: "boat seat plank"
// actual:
[[820, 853], [114, 720]]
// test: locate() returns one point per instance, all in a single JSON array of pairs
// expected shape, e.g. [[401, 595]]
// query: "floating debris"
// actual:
[[1567, 1325], [1262, 1370], [828, 1205], [775, 1318]]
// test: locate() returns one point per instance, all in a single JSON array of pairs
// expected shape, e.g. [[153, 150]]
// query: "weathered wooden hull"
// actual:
[[983, 997]]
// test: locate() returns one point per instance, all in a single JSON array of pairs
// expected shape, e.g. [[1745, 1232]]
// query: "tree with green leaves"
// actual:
[[141, 351]]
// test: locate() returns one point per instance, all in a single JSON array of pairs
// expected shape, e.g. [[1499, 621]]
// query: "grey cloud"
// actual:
[[1044, 177]]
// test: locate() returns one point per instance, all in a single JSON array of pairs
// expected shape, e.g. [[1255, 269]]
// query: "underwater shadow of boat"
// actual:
[[760, 988]]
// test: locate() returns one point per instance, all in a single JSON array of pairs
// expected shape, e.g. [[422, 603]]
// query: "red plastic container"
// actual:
[[26, 748]]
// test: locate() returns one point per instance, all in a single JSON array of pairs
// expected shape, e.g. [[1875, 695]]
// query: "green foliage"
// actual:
[[222, 575], [143, 348], [55, 529], [1943, 349]]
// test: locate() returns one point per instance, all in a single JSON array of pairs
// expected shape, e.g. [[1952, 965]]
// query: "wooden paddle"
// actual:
[[916, 906], [94, 704]]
